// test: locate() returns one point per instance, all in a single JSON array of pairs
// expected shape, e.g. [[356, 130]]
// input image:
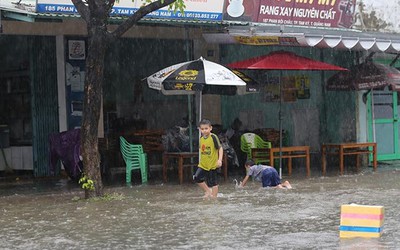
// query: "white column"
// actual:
[[62, 106]]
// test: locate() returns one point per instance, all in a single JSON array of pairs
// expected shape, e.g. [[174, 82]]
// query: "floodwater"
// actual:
[[172, 216]]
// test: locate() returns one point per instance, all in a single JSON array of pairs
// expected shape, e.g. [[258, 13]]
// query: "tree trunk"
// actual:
[[95, 14], [97, 45]]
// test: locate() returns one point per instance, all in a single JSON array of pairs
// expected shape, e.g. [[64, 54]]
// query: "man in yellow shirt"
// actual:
[[211, 154]]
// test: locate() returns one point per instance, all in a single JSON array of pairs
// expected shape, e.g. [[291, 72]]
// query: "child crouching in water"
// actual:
[[265, 174]]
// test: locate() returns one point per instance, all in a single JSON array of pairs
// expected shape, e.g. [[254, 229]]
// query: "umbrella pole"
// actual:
[[280, 124], [200, 104], [190, 130], [190, 118], [189, 96], [190, 123]]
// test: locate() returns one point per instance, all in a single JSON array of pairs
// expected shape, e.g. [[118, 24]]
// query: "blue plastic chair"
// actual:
[[135, 158]]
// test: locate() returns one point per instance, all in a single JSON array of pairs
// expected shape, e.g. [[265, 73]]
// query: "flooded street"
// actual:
[[172, 216]]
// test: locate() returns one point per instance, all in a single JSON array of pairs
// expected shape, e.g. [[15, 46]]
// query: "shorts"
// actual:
[[270, 178], [210, 177]]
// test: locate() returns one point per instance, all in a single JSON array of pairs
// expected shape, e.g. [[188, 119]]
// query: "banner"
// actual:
[[210, 10], [293, 88], [314, 13]]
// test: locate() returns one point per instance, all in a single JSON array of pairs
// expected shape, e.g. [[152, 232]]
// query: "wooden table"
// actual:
[[348, 148], [181, 156], [287, 153]]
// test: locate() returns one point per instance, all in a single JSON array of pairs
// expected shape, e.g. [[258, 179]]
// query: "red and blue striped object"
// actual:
[[361, 221]]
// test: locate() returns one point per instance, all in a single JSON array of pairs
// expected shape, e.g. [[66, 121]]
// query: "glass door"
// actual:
[[383, 123]]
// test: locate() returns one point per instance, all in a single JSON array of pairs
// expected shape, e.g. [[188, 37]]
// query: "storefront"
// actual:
[[127, 104], [220, 31], [28, 100]]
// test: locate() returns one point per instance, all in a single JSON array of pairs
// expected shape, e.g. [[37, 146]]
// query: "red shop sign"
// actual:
[[315, 13]]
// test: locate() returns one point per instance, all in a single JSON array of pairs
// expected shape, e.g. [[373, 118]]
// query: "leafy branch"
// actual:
[[86, 183]]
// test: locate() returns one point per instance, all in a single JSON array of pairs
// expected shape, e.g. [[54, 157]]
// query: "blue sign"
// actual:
[[125, 11]]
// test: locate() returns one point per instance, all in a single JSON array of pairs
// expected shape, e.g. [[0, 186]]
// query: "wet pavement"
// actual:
[[46, 215]]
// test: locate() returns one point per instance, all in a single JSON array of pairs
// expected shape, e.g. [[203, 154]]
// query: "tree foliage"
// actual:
[[96, 14], [369, 21]]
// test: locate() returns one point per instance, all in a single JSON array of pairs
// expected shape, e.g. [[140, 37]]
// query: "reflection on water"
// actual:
[[175, 216]]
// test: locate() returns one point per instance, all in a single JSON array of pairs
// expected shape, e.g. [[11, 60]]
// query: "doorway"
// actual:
[[383, 124]]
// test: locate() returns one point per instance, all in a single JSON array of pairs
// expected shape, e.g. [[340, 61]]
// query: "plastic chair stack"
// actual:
[[251, 140], [134, 158]]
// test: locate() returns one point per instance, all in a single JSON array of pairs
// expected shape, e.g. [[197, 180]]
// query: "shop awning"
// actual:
[[260, 34], [23, 14], [344, 39]]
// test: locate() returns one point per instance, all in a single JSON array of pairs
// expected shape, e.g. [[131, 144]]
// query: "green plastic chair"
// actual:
[[251, 140], [135, 158]]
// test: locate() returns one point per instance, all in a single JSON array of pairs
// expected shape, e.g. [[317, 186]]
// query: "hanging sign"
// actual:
[[266, 40]]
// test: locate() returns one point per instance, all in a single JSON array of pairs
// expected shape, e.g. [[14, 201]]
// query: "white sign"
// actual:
[[76, 50], [195, 9]]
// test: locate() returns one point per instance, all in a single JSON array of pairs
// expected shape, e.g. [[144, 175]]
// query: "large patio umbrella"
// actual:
[[366, 76], [199, 76], [189, 77], [282, 60]]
